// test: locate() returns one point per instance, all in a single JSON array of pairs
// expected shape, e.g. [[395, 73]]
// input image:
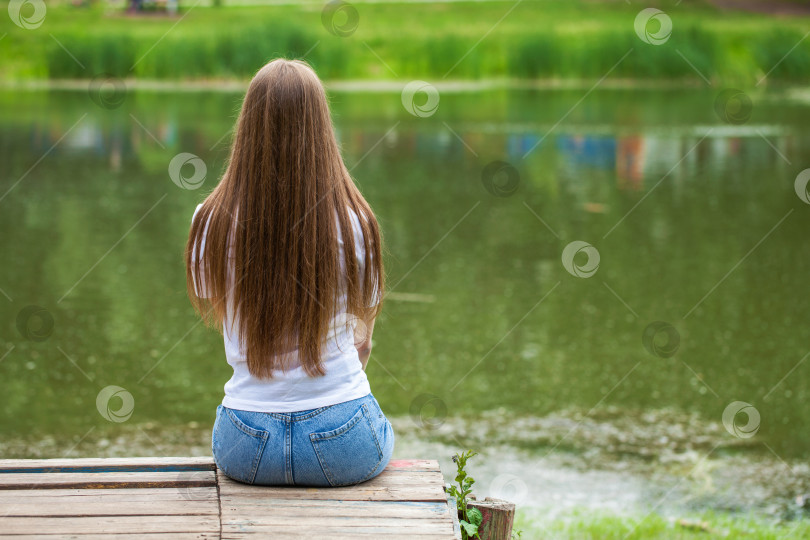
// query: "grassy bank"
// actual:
[[594, 525], [541, 39]]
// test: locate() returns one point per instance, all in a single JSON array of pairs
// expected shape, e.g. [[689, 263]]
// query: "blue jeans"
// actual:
[[338, 445]]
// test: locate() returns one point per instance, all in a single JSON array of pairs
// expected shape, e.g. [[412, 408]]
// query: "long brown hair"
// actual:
[[274, 219]]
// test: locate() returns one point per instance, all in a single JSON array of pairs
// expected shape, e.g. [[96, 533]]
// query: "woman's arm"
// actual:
[[362, 340]]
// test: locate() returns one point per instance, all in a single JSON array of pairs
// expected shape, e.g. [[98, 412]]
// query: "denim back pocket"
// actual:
[[237, 447], [350, 453]]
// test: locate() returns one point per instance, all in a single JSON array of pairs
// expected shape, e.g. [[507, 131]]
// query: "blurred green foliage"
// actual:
[[429, 41], [595, 525]]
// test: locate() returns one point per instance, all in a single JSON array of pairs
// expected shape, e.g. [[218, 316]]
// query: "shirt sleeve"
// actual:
[[360, 253], [195, 258]]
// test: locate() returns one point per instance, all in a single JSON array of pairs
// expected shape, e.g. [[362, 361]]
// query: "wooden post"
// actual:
[[498, 517]]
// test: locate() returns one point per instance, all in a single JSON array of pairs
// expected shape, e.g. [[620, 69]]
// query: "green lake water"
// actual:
[[696, 222]]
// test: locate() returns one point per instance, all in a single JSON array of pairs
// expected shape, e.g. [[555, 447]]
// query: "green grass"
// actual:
[[540, 39], [590, 525]]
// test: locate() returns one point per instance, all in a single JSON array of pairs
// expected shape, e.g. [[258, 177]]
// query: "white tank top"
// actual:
[[294, 390]]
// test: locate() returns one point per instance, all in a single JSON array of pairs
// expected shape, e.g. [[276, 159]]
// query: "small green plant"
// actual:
[[469, 518]]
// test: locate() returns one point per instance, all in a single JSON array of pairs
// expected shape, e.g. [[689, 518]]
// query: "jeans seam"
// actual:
[[326, 471], [376, 443], [311, 414], [288, 476], [374, 436], [258, 457], [262, 435], [325, 467], [343, 429], [244, 428]]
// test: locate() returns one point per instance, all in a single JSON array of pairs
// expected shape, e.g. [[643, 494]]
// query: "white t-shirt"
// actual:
[[294, 390]]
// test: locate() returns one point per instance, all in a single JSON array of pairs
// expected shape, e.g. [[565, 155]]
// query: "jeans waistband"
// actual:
[[298, 416]]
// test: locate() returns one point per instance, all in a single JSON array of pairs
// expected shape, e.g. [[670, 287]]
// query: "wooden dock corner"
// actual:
[[184, 498]]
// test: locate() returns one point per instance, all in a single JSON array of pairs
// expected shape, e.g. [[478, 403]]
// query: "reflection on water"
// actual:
[[633, 155], [696, 223]]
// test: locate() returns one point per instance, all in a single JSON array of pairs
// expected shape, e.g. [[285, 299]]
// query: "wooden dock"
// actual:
[[184, 498]]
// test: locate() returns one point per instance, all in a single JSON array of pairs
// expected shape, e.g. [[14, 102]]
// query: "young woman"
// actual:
[[284, 256]]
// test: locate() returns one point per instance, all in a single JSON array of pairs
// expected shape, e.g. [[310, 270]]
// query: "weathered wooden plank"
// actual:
[[107, 464], [438, 525], [321, 503], [305, 509], [54, 507], [414, 464], [405, 478], [452, 503], [157, 463], [357, 494], [81, 496], [298, 535], [413, 493], [407, 500], [367, 491], [329, 531], [401, 479], [122, 536], [130, 525], [106, 480]]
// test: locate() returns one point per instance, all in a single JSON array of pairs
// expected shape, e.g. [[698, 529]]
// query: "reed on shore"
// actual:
[[411, 41]]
